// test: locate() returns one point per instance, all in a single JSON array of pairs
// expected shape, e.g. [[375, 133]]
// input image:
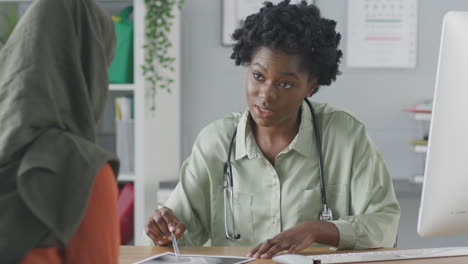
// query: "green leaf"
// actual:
[[159, 19]]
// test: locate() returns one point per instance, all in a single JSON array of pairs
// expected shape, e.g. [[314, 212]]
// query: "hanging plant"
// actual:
[[158, 65], [8, 19]]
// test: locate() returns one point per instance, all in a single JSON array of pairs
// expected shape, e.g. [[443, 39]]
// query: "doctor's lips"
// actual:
[[264, 112]]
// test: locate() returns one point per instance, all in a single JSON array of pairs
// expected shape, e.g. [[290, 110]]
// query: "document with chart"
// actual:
[[169, 258]]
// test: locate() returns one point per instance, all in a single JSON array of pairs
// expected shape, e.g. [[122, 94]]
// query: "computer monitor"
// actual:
[[444, 201]]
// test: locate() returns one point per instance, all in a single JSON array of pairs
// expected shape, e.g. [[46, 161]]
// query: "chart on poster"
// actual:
[[382, 33]]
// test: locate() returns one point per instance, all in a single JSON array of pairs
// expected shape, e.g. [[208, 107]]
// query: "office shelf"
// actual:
[[418, 179], [157, 134], [420, 148], [126, 178], [122, 87], [421, 116]]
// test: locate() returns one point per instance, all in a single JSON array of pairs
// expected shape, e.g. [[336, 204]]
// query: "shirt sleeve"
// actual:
[[190, 199], [374, 208]]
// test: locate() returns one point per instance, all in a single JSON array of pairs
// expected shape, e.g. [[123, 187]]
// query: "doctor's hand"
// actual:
[[161, 223], [297, 239]]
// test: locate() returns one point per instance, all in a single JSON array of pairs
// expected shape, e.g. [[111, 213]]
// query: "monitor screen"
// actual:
[[444, 200]]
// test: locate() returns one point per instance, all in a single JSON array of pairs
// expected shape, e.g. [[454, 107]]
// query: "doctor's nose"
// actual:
[[267, 91]]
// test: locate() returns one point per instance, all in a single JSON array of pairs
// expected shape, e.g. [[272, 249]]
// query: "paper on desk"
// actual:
[[171, 258]]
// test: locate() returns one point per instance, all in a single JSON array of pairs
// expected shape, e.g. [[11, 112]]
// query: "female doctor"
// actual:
[[283, 175]]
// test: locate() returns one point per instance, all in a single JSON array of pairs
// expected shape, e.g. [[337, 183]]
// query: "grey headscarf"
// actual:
[[53, 88]]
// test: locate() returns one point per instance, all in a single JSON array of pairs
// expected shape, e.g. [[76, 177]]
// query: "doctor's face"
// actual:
[[276, 87]]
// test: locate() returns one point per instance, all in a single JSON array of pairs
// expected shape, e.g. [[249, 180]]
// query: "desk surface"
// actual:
[[131, 254]]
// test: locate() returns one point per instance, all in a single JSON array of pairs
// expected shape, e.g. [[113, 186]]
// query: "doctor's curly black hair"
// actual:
[[295, 29]]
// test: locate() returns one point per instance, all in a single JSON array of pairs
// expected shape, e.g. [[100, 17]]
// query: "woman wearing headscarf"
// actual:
[[58, 193]]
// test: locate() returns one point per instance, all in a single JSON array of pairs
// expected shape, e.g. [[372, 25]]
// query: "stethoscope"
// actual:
[[325, 214]]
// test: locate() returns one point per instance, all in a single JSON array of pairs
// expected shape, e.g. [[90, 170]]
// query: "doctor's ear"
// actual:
[[312, 87]]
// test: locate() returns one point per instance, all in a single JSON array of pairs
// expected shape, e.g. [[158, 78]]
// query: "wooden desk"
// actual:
[[131, 254]]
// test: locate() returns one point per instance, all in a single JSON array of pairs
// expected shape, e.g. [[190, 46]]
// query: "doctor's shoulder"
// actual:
[[338, 122], [216, 136]]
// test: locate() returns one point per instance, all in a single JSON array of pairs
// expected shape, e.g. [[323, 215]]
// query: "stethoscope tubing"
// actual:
[[318, 149], [326, 212]]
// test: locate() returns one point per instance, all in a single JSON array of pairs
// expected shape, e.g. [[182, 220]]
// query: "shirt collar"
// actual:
[[305, 138], [302, 143], [245, 143]]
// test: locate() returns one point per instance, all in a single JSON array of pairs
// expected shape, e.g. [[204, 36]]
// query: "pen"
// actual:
[[174, 244]]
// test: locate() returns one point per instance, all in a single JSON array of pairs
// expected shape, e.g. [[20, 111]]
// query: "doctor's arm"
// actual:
[[374, 209], [188, 207]]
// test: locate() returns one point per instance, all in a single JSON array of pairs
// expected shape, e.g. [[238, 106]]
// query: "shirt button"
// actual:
[[275, 220], [275, 188]]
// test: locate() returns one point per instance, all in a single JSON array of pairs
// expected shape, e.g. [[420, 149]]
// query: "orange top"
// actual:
[[97, 239]]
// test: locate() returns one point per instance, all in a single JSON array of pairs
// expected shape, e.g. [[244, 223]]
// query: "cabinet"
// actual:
[[422, 120], [157, 134]]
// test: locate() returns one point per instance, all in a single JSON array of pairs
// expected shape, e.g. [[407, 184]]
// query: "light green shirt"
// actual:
[[271, 199]]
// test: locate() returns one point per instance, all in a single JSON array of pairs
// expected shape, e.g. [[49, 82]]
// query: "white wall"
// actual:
[[213, 87]]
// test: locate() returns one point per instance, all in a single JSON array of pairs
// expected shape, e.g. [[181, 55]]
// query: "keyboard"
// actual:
[[391, 255]]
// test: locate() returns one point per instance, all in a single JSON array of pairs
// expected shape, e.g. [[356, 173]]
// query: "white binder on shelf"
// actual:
[[125, 134]]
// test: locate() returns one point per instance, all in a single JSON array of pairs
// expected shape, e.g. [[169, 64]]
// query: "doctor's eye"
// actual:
[[257, 76], [286, 85]]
